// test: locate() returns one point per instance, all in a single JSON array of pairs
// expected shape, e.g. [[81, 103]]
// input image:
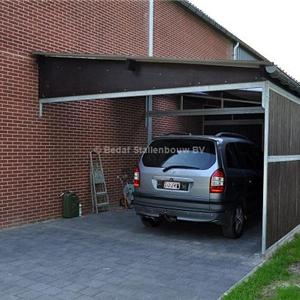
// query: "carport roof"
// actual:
[[219, 62], [63, 75]]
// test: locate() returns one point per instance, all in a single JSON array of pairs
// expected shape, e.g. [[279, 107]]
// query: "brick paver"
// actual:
[[112, 256]]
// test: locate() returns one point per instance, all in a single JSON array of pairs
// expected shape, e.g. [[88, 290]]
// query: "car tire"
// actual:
[[150, 222], [235, 223]]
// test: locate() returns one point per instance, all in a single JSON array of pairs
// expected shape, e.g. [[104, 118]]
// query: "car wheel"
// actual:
[[150, 222], [235, 223]]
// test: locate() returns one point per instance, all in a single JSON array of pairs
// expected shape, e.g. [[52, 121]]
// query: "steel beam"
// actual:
[[149, 101], [234, 122], [223, 99], [210, 111], [283, 158], [153, 92], [266, 100]]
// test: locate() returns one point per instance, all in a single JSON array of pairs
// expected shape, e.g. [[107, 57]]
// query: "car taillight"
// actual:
[[136, 177], [217, 182]]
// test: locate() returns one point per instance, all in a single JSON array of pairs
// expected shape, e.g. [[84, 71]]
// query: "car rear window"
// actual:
[[192, 153]]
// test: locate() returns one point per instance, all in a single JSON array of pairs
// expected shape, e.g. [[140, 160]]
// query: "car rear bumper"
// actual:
[[160, 207]]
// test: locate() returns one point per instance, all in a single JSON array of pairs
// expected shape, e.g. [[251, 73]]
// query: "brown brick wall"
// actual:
[[41, 157]]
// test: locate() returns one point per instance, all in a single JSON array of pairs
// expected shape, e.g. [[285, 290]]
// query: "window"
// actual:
[[257, 157], [231, 157], [249, 156], [163, 153]]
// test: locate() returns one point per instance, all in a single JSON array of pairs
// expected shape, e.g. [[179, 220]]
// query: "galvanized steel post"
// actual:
[[149, 99]]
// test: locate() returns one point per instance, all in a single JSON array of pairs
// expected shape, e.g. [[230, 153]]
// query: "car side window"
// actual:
[[231, 157], [248, 156], [257, 157]]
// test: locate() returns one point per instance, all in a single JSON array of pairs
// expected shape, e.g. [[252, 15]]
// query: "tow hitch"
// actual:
[[170, 219]]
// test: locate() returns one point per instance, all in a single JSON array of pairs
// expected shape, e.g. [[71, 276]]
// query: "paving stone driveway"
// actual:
[[112, 256]]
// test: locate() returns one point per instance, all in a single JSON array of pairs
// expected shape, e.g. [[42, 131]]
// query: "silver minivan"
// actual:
[[199, 178]]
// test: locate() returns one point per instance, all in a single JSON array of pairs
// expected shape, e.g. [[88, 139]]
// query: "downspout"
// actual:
[[150, 28], [235, 50], [149, 100]]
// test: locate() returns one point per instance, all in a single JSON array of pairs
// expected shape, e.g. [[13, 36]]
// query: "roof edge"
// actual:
[[228, 63], [276, 73]]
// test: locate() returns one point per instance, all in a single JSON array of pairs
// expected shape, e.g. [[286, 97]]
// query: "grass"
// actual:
[[273, 280], [288, 293]]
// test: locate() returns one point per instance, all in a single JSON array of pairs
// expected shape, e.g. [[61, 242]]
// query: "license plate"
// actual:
[[171, 185]]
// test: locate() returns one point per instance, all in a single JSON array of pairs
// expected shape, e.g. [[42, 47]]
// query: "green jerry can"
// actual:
[[70, 205]]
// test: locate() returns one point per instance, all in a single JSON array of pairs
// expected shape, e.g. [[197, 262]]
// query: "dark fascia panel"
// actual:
[[76, 75]]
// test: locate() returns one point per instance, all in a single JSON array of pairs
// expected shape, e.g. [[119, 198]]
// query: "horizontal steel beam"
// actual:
[[210, 111], [155, 92], [234, 122], [223, 99], [282, 158]]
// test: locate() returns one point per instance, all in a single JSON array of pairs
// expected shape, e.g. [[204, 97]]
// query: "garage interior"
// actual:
[[210, 121], [214, 96]]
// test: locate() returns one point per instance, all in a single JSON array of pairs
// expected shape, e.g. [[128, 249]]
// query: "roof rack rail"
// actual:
[[231, 134], [176, 133]]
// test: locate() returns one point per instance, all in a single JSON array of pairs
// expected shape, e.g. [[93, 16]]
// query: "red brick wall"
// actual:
[[166, 124], [193, 125], [41, 157], [174, 124], [89, 26], [179, 33]]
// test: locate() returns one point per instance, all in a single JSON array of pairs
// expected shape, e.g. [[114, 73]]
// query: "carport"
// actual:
[[254, 95]]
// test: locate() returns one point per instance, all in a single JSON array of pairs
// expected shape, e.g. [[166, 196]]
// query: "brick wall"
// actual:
[[180, 34], [170, 124], [41, 157]]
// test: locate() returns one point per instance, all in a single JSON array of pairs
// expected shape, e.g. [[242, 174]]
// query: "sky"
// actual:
[[270, 27]]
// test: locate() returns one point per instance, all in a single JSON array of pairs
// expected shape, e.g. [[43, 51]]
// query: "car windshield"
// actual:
[[189, 153]]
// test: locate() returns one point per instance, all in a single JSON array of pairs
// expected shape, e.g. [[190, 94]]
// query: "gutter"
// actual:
[[276, 73]]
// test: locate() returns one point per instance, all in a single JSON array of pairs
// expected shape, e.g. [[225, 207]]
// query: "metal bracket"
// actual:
[[40, 109]]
